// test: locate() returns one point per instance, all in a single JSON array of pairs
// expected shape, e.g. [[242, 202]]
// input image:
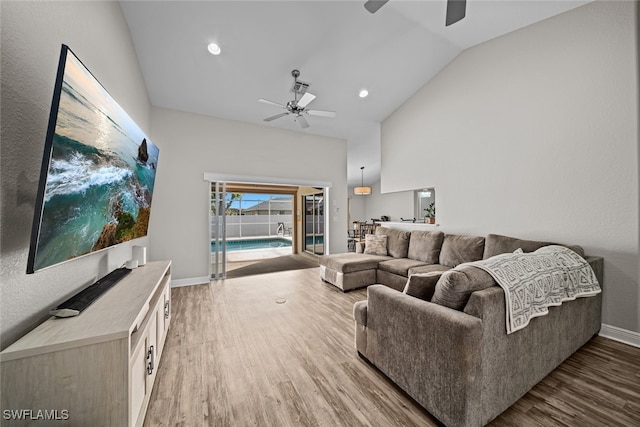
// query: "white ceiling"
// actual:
[[338, 46]]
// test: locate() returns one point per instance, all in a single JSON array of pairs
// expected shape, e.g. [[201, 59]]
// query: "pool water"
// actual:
[[319, 240], [246, 244]]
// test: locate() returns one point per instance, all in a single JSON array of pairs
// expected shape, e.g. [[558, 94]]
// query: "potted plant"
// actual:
[[430, 213]]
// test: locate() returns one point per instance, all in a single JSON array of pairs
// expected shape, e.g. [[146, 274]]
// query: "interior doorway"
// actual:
[[256, 228]]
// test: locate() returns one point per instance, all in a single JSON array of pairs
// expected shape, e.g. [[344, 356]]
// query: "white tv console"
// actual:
[[97, 368]]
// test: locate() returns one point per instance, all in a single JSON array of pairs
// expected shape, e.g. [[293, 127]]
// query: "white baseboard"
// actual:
[[191, 281], [619, 334]]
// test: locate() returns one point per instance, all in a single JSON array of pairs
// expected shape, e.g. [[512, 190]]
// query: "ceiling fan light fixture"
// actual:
[[362, 190], [214, 49], [363, 93], [298, 106]]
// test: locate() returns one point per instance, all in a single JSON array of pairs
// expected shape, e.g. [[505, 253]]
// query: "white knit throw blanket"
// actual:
[[534, 281]]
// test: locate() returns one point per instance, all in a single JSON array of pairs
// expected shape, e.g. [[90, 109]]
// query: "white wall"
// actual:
[[192, 145], [535, 134], [396, 205], [32, 33], [357, 207]]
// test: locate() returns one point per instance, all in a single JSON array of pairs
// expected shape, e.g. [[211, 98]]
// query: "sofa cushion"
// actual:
[[428, 269], [375, 245], [422, 285], [496, 244], [397, 241], [457, 249], [351, 262], [399, 266], [456, 286], [425, 246]]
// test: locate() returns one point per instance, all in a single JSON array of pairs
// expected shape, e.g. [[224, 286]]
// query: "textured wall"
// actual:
[[32, 33], [535, 134]]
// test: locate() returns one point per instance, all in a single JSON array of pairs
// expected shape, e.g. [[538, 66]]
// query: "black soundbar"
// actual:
[[83, 299]]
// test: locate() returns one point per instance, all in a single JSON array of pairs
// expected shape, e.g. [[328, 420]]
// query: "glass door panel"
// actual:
[[314, 223], [218, 221]]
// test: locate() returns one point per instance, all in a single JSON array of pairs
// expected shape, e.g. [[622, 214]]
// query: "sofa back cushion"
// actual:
[[456, 286], [425, 246], [457, 249], [496, 244], [397, 241]]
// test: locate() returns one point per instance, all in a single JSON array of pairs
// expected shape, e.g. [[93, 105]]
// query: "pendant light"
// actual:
[[362, 190]]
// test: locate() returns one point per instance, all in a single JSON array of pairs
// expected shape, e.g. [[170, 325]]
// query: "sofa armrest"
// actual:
[[431, 351], [487, 301], [360, 312], [400, 315]]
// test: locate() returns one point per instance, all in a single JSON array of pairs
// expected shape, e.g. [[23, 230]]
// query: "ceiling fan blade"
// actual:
[[321, 113], [374, 5], [456, 10], [266, 101], [277, 116], [303, 122], [306, 99]]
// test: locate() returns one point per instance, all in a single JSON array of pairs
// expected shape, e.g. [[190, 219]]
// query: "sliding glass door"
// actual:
[[218, 222], [313, 223]]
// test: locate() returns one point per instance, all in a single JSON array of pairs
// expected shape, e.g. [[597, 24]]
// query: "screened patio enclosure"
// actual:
[[258, 215], [248, 225]]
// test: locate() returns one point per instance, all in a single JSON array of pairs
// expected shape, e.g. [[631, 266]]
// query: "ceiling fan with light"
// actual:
[[456, 9], [298, 106]]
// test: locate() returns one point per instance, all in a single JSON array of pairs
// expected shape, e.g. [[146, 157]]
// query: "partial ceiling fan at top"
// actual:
[[298, 107], [456, 9]]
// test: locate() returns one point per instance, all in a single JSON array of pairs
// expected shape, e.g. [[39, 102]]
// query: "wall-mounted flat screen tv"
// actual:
[[97, 176]]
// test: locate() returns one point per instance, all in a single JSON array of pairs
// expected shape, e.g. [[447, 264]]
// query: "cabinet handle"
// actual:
[[166, 309], [150, 357]]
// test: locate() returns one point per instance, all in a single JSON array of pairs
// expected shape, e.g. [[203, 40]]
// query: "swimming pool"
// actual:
[[318, 240], [246, 244]]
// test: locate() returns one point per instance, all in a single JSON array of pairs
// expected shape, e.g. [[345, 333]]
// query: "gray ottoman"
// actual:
[[351, 270]]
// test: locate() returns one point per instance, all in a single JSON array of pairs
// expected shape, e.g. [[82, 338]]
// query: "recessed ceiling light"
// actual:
[[363, 93], [214, 49]]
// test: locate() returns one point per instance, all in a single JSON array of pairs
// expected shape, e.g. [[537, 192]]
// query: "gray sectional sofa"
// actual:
[[407, 253], [438, 331], [412, 252]]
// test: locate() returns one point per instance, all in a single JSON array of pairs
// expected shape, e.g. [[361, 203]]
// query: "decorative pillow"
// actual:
[[425, 246], [375, 245], [456, 286], [458, 249], [397, 241], [422, 285]]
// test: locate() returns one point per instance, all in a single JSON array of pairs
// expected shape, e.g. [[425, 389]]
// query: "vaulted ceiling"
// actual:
[[338, 46]]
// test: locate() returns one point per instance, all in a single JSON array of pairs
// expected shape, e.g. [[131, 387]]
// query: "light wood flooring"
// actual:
[[237, 355], [251, 267]]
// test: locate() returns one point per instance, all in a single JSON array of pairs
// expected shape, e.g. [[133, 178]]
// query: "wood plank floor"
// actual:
[[236, 355], [251, 267]]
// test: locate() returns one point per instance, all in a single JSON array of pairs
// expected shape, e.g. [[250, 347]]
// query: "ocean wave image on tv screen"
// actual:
[[101, 173]]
